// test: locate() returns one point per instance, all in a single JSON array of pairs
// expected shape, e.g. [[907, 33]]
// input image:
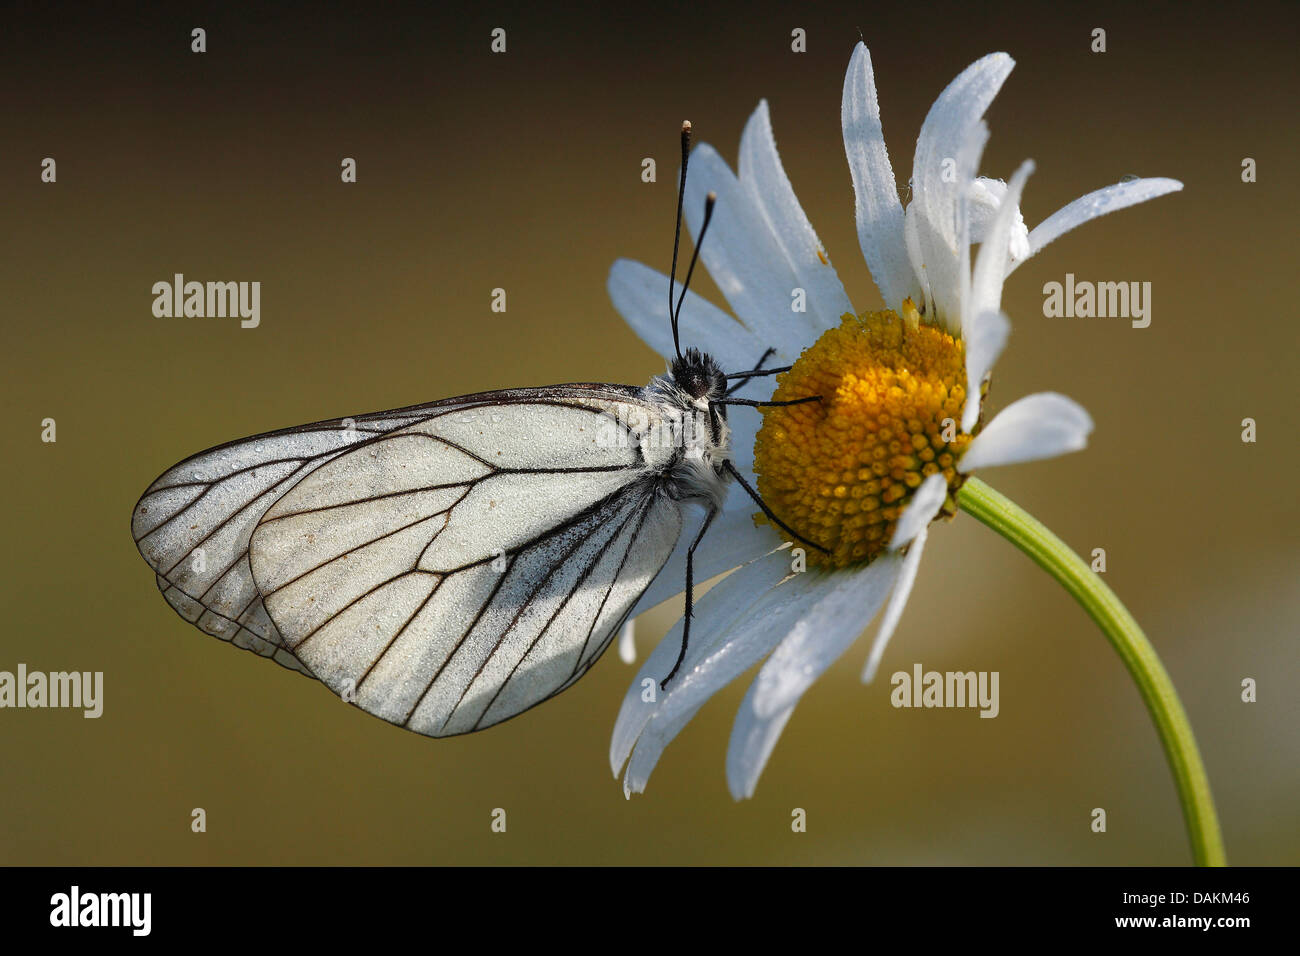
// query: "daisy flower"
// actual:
[[866, 470]]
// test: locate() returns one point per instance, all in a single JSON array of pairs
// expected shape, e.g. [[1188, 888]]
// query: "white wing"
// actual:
[[458, 571], [375, 548]]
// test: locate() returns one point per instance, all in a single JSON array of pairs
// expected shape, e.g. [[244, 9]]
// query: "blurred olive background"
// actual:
[[522, 171]]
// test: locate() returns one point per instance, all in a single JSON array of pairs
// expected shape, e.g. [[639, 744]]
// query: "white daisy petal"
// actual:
[[897, 601], [879, 211], [1092, 206], [968, 160], [991, 264], [985, 200], [743, 257], [925, 504], [816, 642], [752, 741], [912, 240], [715, 612], [984, 327], [764, 179], [984, 343], [745, 423], [640, 294], [1042, 425], [842, 612], [935, 192], [627, 641], [750, 638]]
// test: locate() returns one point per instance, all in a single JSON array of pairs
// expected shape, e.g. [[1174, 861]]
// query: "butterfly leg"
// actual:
[[756, 371], [690, 595], [754, 404], [749, 490]]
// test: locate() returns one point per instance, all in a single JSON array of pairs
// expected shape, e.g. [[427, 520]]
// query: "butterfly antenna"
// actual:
[[677, 234], [709, 202]]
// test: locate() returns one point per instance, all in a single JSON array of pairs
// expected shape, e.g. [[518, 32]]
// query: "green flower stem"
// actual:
[[1055, 557]]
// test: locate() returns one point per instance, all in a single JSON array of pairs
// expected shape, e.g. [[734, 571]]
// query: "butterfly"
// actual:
[[450, 565]]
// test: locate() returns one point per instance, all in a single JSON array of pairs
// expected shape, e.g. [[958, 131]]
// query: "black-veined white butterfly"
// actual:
[[450, 565]]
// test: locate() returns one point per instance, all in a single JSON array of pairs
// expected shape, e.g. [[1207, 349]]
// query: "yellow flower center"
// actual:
[[841, 471]]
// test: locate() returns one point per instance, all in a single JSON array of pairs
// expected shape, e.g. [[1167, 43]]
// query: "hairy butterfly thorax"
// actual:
[[694, 389]]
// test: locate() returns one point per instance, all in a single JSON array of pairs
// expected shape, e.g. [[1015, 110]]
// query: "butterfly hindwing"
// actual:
[[193, 523]]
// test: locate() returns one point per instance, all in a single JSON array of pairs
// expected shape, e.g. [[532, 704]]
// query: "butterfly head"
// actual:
[[699, 376]]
